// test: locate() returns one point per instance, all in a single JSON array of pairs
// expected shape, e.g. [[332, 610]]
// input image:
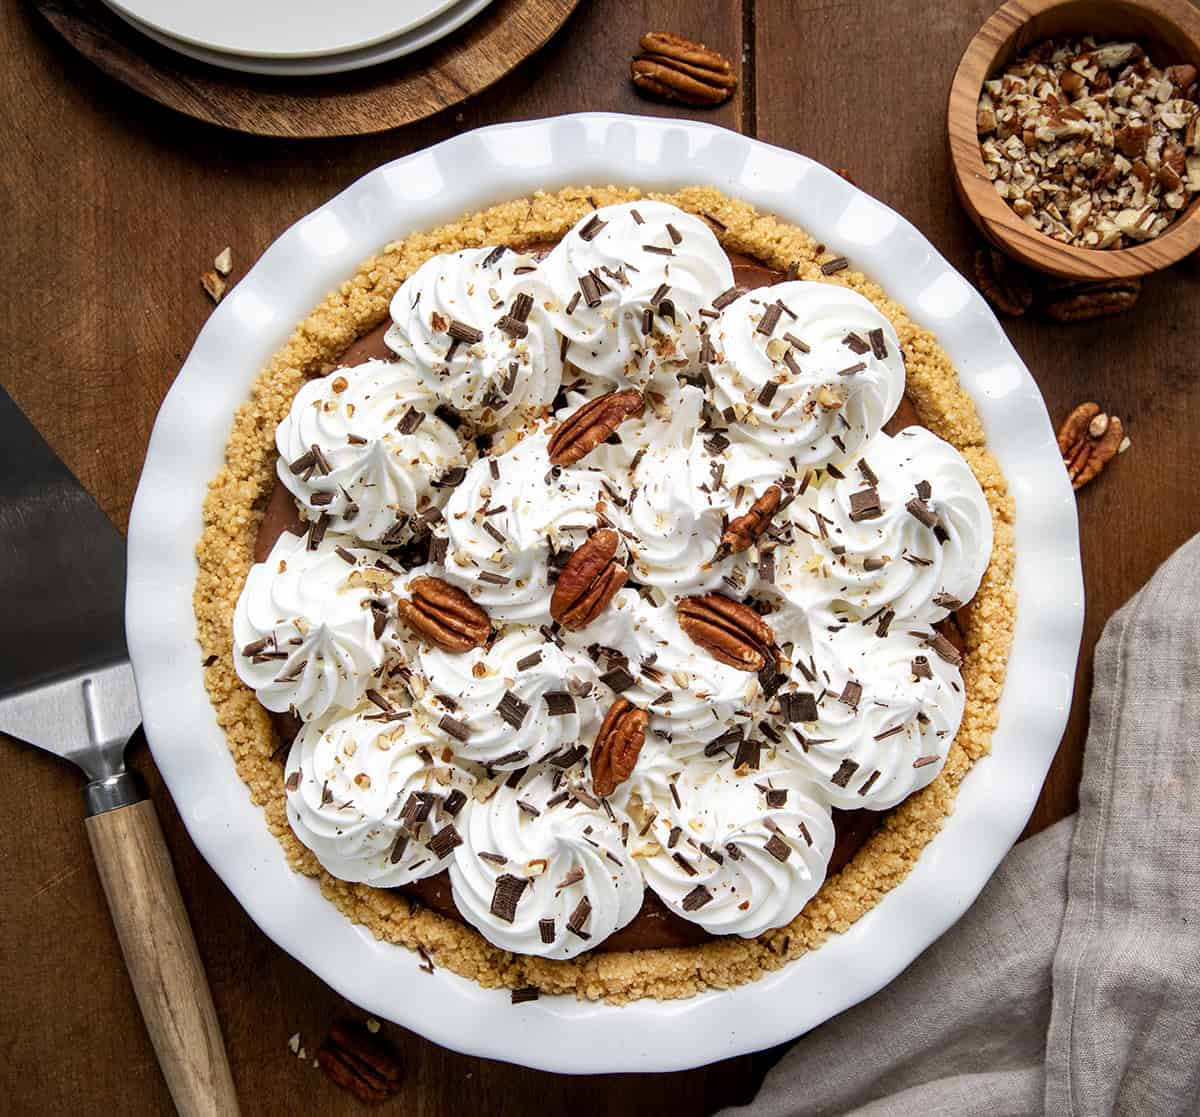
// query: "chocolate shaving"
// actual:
[[546, 930], [618, 679], [851, 694], [856, 344], [878, 345], [454, 802], [748, 754], [769, 320], [864, 505], [845, 770], [559, 703], [852, 369], [531, 660], [508, 893], [592, 228], [525, 994], [921, 511], [945, 650], [697, 898], [832, 267], [776, 797], [923, 761], [460, 331], [797, 706], [512, 709], [444, 841], [459, 730], [921, 668], [778, 848], [725, 298]]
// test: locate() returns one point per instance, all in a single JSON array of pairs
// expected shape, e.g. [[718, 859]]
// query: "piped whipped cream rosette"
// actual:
[[370, 794], [626, 286], [364, 448], [811, 371], [645, 657], [876, 722], [311, 623], [905, 533], [508, 517], [477, 338], [511, 704], [684, 489], [544, 869], [736, 854]]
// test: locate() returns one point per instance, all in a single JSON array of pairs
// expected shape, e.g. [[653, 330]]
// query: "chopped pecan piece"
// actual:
[[1081, 302], [1089, 440], [620, 740], [365, 1064], [677, 69], [745, 530], [1003, 283], [579, 434], [729, 631], [588, 582], [444, 615]]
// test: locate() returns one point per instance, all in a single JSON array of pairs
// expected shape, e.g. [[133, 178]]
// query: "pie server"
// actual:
[[66, 686]]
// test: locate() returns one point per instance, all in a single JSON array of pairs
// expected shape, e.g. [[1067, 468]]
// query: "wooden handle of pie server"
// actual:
[[163, 962]]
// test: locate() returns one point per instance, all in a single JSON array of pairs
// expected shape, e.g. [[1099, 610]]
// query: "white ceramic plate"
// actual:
[[436, 28], [436, 185], [281, 28]]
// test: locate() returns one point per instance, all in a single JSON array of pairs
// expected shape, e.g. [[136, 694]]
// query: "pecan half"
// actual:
[[365, 1064], [729, 631], [745, 530], [588, 582], [444, 615], [579, 434], [620, 740], [1003, 283], [677, 69], [1081, 302], [1089, 440]]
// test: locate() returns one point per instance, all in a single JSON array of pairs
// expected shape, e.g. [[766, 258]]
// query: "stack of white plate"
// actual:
[[296, 38]]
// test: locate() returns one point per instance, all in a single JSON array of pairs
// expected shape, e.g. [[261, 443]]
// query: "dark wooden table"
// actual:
[[112, 208]]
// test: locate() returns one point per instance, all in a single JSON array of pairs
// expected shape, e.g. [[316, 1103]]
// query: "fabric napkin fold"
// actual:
[[1072, 986]]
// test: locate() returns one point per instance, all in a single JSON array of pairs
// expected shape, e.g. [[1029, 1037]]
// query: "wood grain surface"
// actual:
[[360, 102], [113, 208]]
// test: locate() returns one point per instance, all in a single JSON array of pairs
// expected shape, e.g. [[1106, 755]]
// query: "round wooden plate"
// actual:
[[363, 101]]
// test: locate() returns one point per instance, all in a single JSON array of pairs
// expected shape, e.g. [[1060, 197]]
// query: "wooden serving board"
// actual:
[[370, 100]]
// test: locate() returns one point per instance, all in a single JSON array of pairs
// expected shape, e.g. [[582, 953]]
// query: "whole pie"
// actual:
[[606, 593]]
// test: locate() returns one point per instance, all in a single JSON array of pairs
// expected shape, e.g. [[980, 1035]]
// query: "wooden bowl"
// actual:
[[1170, 32]]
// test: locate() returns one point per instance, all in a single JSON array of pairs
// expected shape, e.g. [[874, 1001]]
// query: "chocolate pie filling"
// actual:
[[654, 926]]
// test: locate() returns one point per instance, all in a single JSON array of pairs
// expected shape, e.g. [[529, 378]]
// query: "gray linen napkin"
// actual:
[[1072, 986]]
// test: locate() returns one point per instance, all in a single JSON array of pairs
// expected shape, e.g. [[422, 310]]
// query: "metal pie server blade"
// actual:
[[65, 680]]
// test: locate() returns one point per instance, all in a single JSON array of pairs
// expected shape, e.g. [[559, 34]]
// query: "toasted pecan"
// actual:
[[444, 615]]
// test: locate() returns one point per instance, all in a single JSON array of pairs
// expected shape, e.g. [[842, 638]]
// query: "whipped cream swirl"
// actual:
[[518, 701], [543, 869], [884, 720], [692, 699], [812, 371], [477, 337], [738, 855], [310, 625], [684, 489], [367, 796], [364, 447], [503, 521], [923, 553], [626, 286]]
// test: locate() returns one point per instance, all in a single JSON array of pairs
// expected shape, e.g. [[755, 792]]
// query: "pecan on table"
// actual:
[[744, 531], [620, 740], [677, 69], [729, 631], [1089, 440], [365, 1064], [444, 615], [1081, 302], [580, 433], [1002, 282], [588, 582]]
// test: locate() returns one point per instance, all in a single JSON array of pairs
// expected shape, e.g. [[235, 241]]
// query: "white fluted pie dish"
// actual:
[[186, 450]]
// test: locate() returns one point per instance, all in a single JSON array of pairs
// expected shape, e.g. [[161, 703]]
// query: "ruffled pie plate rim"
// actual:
[[187, 448]]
